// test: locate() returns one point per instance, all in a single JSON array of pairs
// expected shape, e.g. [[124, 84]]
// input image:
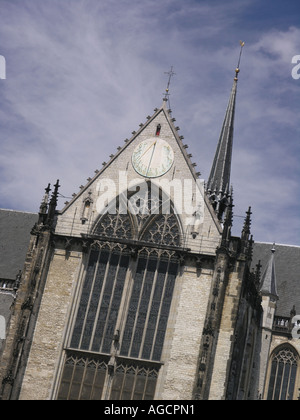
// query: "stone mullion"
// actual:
[[211, 328]]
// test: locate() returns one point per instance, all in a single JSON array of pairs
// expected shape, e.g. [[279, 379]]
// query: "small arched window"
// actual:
[[284, 363], [87, 205]]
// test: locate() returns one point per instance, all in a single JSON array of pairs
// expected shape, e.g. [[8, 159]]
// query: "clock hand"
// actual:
[[153, 144], [151, 157]]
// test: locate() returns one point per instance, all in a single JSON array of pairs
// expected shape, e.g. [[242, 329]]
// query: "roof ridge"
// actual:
[[120, 149], [277, 244], [268, 280], [135, 134], [19, 211], [182, 147]]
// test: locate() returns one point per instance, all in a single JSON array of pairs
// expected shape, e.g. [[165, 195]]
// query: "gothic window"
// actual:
[[163, 230], [147, 312], [149, 308], [114, 226], [146, 201], [132, 382], [149, 217], [283, 370], [84, 378], [128, 297], [118, 333], [100, 301]]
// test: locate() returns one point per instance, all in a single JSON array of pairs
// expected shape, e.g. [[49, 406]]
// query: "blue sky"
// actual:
[[81, 75]]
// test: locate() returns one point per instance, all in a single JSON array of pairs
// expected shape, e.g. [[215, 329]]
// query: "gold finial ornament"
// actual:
[[166, 94]]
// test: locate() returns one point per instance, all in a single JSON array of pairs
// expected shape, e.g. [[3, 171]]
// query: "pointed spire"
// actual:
[[268, 284], [53, 204], [246, 237], [44, 203], [219, 178], [247, 224], [228, 222]]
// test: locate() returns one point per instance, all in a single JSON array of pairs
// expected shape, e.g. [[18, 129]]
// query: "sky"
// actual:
[[81, 75]]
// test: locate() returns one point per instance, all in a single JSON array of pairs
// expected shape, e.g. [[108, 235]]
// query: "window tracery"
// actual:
[[163, 230], [114, 226], [143, 220], [85, 378], [141, 328], [139, 312], [283, 371]]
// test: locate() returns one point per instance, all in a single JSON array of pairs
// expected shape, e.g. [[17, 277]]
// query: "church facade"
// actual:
[[137, 289]]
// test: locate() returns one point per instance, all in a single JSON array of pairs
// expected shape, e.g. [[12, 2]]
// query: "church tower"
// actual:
[[218, 184], [142, 291]]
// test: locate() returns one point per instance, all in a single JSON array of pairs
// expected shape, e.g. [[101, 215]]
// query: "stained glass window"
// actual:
[[145, 219], [114, 226], [284, 364], [163, 231], [134, 382], [125, 296], [82, 379]]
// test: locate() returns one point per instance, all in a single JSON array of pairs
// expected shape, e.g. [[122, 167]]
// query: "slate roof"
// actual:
[[287, 268], [15, 227]]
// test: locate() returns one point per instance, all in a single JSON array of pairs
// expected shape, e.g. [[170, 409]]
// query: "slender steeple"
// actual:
[[219, 179], [268, 283]]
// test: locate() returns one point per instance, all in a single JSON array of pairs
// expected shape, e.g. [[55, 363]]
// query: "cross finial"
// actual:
[[170, 73], [237, 70]]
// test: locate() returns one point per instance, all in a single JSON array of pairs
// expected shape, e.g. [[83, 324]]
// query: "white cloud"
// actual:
[[82, 75]]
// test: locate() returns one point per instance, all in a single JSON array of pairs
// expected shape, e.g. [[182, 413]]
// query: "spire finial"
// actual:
[[166, 94], [237, 70], [247, 222], [268, 283], [53, 203], [44, 205]]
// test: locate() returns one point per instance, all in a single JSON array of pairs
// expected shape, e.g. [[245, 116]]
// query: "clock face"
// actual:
[[152, 157]]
